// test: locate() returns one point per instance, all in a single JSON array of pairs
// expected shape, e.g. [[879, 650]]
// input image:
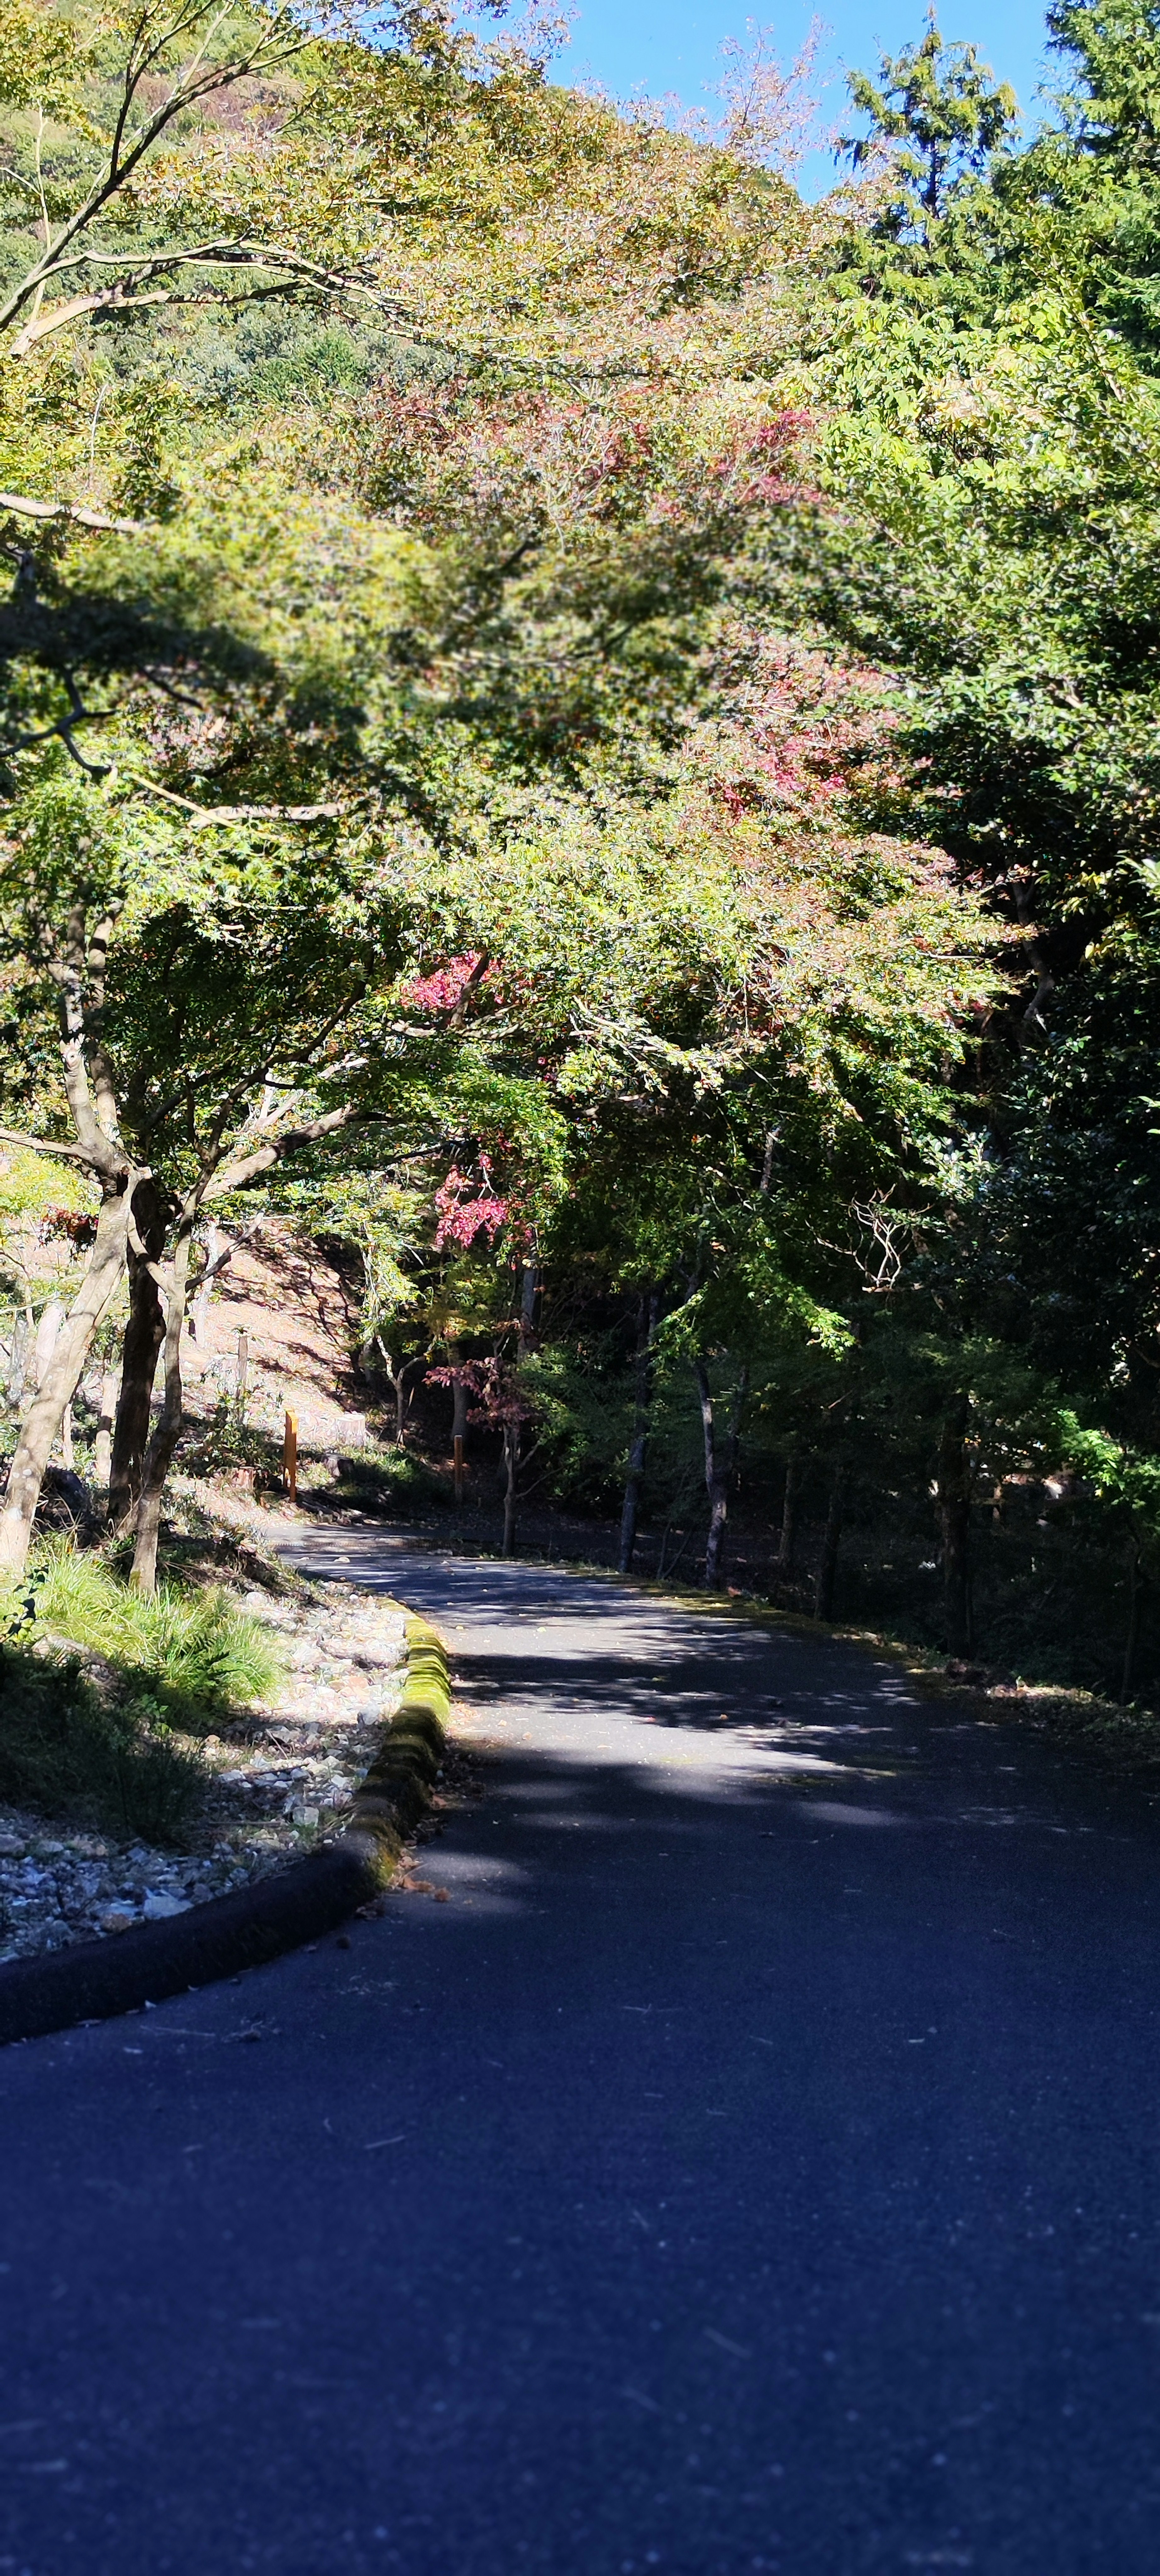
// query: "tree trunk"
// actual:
[[18, 1361], [512, 1430], [144, 1334], [46, 1339], [511, 1454], [528, 1308], [954, 1514], [103, 1444], [1132, 1639], [787, 1542], [63, 1376], [458, 1426], [828, 1561], [650, 1307], [219, 1252], [719, 1471], [159, 1455], [397, 1381]]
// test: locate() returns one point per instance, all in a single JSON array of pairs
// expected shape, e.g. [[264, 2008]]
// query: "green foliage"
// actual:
[[67, 1751], [189, 1652], [936, 109]]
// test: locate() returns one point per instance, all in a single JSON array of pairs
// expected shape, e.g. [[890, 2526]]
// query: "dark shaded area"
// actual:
[[67, 1749]]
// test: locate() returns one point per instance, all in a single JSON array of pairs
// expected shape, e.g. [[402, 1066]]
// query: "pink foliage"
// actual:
[[757, 465], [442, 990], [808, 732], [461, 1219]]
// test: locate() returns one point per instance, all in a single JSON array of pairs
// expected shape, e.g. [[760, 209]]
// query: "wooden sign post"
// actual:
[[290, 1456]]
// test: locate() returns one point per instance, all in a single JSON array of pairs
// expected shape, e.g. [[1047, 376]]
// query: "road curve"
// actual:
[[751, 2165]]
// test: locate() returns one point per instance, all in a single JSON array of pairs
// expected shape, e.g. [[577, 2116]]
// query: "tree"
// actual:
[[936, 117]]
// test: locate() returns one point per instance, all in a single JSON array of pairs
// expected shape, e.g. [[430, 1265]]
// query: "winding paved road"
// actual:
[[752, 2165]]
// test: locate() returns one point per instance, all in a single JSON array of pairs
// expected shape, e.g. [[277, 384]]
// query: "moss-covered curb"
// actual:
[[97, 1979]]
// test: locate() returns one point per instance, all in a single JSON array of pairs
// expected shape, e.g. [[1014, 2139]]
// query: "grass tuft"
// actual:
[[65, 1750], [189, 1649], [99, 1685]]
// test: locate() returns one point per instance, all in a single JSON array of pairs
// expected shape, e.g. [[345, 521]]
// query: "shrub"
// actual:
[[188, 1649], [66, 1750]]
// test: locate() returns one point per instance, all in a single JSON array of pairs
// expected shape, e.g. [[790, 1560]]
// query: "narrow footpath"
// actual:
[[744, 2156]]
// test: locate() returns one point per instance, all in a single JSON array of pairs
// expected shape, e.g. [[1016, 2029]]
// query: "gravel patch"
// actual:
[[280, 1778]]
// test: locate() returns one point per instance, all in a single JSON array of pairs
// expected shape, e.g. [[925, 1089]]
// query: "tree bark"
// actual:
[[953, 1494], [46, 1339], [219, 1252], [63, 1375], [159, 1455], [1132, 1639], [458, 1424], [144, 1334], [719, 1469], [511, 1455], [18, 1356], [650, 1308], [828, 1561], [103, 1444], [787, 1541], [513, 1429]]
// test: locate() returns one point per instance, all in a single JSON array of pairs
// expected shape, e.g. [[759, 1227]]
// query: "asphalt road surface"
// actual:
[[752, 2164]]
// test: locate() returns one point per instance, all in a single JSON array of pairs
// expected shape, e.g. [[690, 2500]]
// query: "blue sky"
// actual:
[[674, 45]]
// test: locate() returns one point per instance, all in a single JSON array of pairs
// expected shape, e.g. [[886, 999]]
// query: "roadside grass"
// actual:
[[104, 1692], [68, 1752], [186, 1646], [382, 1480]]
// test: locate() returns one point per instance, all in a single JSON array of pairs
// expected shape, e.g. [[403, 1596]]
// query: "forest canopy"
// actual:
[[585, 729]]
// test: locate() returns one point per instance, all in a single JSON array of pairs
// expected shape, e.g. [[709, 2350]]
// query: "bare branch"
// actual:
[[201, 815], [42, 1145], [21, 508], [236, 1175], [274, 44]]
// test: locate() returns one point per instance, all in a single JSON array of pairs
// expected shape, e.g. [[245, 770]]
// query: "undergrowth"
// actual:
[[110, 1744], [66, 1750], [189, 1648], [384, 1480]]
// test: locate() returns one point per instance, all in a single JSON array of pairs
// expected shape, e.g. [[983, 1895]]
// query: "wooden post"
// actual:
[[290, 1456], [243, 1367]]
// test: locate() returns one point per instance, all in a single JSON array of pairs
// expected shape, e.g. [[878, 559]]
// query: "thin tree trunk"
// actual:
[[18, 1361], [513, 1429], [458, 1426], [1132, 1639], [46, 1338], [650, 1308], [103, 1444], [159, 1455], [828, 1561], [144, 1334], [63, 1376], [511, 1453], [787, 1541], [66, 1436], [954, 1513], [719, 1470], [528, 1308], [219, 1252], [394, 1379]]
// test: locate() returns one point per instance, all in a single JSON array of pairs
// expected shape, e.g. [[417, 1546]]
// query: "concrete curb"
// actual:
[[95, 1980]]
